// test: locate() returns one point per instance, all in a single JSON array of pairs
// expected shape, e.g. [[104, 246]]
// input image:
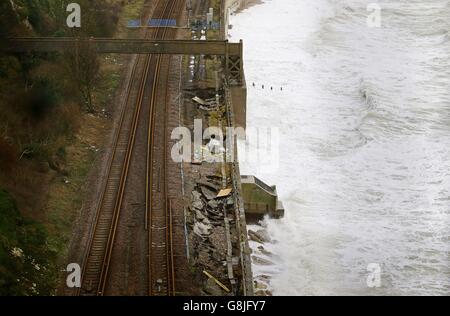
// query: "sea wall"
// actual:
[[238, 91], [236, 100]]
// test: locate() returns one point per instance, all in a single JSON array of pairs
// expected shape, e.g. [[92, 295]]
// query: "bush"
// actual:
[[107, 20], [8, 155], [41, 99], [9, 66], [25, 260]]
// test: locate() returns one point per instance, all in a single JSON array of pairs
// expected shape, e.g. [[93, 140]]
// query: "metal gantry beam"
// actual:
[[120, 46], [232, 52]]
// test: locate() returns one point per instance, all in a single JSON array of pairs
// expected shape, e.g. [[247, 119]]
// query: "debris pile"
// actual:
[[261, 257], [208, 233]]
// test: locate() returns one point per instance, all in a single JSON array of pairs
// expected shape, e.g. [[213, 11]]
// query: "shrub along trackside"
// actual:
[[26, 263], [44, 99]]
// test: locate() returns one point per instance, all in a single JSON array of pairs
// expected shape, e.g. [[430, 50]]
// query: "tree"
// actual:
[[84, 67]]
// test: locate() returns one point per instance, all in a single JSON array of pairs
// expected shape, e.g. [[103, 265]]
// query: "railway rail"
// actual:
[[153, 70], [159, 209]]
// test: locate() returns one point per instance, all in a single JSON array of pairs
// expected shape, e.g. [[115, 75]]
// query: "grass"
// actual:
[[109, 81], [130, 12], [26, 263], [62, 196], [65, 199]]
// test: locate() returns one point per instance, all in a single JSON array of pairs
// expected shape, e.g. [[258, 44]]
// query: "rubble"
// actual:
[[263, 293], [199, 215], [261, 261], [261, 286], [197, 205], [201, 229], [264, 277], [196, 195], [203, 258], [214, 236], [208, 231], [254, 237], [218, 241], [209, 184], [264, 235], [261, 236], [208, 193], [224, 193], [211, 288], [213, 204], [264, 251]]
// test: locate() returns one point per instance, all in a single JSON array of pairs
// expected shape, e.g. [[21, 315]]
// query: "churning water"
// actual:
[[364, 121]]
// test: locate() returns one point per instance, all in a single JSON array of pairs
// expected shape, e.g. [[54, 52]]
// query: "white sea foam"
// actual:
[[364, 120]]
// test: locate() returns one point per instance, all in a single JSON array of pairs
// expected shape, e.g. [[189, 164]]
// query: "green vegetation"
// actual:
[[51, 114], [26, 266], [37, 91], [48, 17]]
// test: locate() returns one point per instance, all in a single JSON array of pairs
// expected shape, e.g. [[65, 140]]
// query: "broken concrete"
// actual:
[[212, 288], [261, 261]]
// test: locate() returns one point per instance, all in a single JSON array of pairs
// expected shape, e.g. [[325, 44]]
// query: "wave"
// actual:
[[364, 177]]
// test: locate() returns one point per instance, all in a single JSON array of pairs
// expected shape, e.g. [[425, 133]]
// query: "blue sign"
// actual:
[[162, 22]]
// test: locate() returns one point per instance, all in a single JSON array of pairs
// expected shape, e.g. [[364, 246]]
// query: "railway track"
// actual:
[[97, 262], [158, 204], [161, 270]]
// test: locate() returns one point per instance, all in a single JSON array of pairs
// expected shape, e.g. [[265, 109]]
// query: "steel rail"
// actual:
[[96, 251], [170, 290]]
